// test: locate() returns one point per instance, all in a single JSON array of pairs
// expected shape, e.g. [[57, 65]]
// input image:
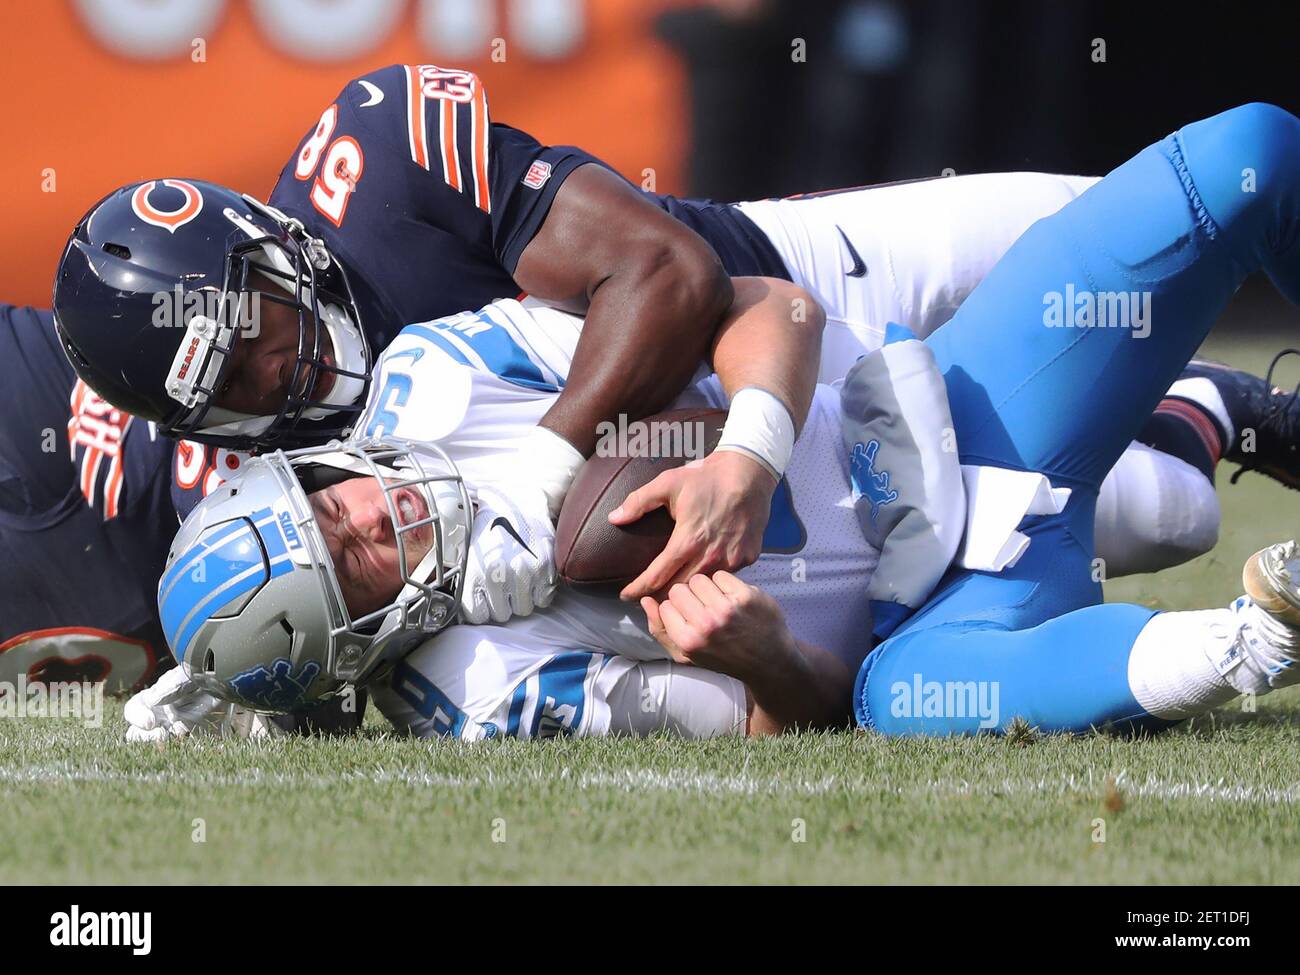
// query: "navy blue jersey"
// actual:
[[429, 204], [85, 520], [197, 470]]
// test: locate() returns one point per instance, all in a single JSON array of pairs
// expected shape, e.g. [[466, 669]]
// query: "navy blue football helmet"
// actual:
[[154, 292]]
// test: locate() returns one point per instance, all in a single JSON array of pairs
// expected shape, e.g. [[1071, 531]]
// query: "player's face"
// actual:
[[262, 364], [363, 542]]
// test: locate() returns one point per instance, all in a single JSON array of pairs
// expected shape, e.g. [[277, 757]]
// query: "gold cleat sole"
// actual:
[[1271, 578]]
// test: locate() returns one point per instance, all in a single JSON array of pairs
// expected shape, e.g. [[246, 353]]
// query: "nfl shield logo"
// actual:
[[538, 173]]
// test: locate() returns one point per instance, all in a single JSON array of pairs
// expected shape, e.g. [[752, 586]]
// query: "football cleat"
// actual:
[[1265, 418], [1271, 578]]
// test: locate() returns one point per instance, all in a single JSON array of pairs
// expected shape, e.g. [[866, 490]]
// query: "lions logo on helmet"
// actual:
[[277, 687], [250, 600]]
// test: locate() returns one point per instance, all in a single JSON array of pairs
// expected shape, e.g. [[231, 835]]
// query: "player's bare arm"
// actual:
[[724, 624], [771, 338], [770, 344], [652, 290]]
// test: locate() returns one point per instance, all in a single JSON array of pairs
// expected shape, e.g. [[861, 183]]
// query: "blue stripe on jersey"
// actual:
[[517, 709], [785, 533], [495, 347], [431, 703], [495, 315], [561, 695], [427, 333]]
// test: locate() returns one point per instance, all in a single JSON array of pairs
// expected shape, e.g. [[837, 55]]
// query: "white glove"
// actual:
[[552, 463], [175, 707], [511, 565]]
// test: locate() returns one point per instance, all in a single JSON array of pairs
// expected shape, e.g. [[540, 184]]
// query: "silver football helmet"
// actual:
[[250, 600]]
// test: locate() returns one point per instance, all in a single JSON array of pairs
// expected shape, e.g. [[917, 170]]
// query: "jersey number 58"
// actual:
[[343, 162]]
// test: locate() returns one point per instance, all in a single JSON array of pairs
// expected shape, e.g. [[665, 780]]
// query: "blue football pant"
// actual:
[[1180, 225]]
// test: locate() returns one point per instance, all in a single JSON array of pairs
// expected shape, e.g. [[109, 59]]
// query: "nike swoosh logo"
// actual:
[[415, 354], [510, 530], [376, 93], [859, 269]]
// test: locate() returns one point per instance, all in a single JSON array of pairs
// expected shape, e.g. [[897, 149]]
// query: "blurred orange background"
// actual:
[[84, 115]]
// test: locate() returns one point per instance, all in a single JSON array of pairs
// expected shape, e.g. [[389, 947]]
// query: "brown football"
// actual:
[[589, 551]]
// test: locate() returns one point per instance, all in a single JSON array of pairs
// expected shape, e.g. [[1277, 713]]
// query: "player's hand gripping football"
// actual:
[[720, 507], [511, 566]]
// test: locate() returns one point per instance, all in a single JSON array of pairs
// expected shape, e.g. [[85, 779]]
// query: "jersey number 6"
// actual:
[[340, 171], [396, 391]]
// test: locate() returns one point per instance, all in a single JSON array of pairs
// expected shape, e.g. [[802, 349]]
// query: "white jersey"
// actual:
[[476, 384], [908, 253]]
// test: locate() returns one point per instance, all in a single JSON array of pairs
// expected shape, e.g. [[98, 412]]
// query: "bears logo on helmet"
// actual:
[[223, 251], [168, 220]]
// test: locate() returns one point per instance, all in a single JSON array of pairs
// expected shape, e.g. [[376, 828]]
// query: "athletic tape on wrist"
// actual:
[[758, 424]]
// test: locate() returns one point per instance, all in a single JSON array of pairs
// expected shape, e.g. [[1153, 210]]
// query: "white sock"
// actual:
[[1170, 668], [1186, 663]]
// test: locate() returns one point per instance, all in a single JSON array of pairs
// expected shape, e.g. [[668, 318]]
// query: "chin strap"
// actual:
[[391, 629]]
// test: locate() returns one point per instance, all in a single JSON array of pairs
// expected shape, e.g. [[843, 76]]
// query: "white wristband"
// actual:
[[758, 424], [550, 462]]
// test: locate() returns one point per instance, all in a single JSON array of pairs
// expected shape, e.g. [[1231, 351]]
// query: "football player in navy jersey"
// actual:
[[85, 521]]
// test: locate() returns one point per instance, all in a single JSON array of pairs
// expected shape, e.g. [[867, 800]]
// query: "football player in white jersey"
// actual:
[[588, 664], [474, 385], [762, 652]]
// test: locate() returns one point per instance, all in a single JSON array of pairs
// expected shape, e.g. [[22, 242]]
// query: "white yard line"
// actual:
[[683, 781]]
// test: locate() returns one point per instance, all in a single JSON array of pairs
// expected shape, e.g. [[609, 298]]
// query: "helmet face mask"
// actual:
[[430, 587], [313, 378], [219, 260], [294, 640]]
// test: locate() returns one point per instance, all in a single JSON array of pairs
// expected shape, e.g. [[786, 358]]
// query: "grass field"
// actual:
[[1213, 802]]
